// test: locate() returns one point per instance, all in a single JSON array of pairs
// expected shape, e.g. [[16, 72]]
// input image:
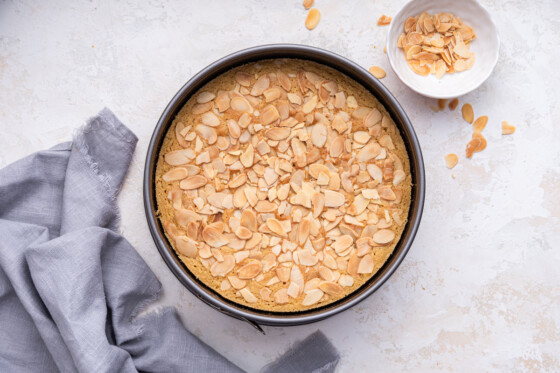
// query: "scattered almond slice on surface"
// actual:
[[378, 72], [480, 123], [472, 147], [307, 4], [451, 160], [453, 104], [441, 103], [468, 113], [507, 129], [384, 20], [313, 18]]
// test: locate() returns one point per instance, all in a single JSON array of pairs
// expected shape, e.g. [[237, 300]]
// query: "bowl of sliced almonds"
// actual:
[[443, 48]]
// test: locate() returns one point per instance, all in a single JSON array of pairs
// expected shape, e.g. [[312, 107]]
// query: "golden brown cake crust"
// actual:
[[395, 209]]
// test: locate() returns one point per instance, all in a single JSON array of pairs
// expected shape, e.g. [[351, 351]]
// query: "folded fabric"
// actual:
[[70, 286]]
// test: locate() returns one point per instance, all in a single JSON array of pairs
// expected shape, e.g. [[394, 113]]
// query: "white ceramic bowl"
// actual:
[[486, 47]]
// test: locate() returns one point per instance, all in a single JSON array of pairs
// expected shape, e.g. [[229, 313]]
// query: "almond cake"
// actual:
[[283, 185]]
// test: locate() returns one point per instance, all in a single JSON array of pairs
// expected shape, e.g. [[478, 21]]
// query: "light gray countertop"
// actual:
[[480, 288]]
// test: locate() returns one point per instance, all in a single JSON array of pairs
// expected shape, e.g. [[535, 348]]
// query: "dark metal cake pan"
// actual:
[[353, 71]]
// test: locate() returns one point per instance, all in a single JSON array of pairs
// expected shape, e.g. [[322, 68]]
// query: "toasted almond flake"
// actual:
[[472, 145], [361, 137], [247, 156], [193, 182], [236, 282], [186, 246], [243, 233], [383, 236], [175, 174], [507, 129], [243, 79], [205, 97], [480, 123], [281, 296], [309, 105], [240, 104], [277, 133], [332, 288], [482, 144], [378, 72], [366, 264], [342, 243], [368, 152], [269, 115], [451, 160], [272, 94], [319, 135], [307, 4], [337, 146], [213, 237], [398, 177], [453, 104], [248, 296], [346, 280], [312, 297], [313, 18], [387, 193], [468, 113], [250, 270], [318, 203], [220, 269], [276, 227], [334, 199], [178, 157], [384, 20]]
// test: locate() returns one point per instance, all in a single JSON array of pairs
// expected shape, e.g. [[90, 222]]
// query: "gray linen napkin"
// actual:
[[70, 286]]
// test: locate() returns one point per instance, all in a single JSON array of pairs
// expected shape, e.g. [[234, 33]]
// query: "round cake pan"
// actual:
[[353, 71]]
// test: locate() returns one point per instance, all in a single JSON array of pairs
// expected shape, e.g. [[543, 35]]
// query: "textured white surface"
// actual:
[[480, 288]]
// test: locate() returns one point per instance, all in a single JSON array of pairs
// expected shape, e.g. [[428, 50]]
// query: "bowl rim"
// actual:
[[345, 66], [459, 93]]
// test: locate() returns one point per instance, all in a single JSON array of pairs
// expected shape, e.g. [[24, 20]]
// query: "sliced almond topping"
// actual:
[[281, 296], [319, 135], [240, 104], [277, 133], [213, 237], [482, 144], [178, 157], [220, 269], [186, 246], [366, 264], [353, 263], [265, 206], [309, 105], [249, 220], [337, 147], [250, 270], [238, 181], [269, 115], [398, 177], [346, 280], [451, 160], [243, 233], [387, 193], [175, 174], [342, 243], [307, 4], [246, 157], [236, 282], [383, 236], [468, 113], [334, 199], [243, 79], [276, 227], [234, 129], [303, 231], [248, 296], [193, 182], [318, 203], [260, 86], [205, 97], [368, 152], [272, 94], [332, 288], [507, 129], [312, 297]]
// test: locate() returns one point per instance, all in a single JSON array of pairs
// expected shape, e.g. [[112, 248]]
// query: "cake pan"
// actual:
[[352, 70]]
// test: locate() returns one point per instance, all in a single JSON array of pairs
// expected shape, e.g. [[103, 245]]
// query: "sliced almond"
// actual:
[[250, 270], [507, 129], [451, 160], [248, 296], [186, 246], [220, 269], [319, 135], [312, 297], [332, 288], [334, 199], [213, 237], [236, 282], [383, 236], [178, 157], [175, 174], [366, 264], [378, 72], [193, 182], [312, 19], [480, 123], [368, 152], [276, 227], [277, 133], [468, 113]]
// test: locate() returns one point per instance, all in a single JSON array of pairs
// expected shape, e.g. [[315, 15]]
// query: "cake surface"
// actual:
[[283, 185]]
